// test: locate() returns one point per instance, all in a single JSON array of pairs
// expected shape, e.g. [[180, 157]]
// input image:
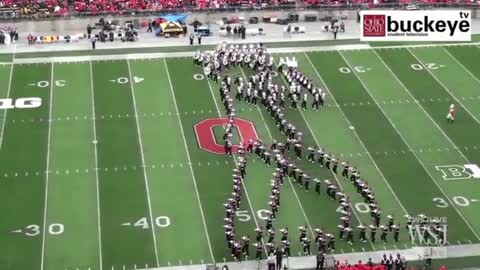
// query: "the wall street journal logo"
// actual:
[[374, 25], [428, 231], [415, 25]]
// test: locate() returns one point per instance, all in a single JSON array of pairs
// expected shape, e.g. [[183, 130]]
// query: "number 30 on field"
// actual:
[[458, 200], [34, 230]]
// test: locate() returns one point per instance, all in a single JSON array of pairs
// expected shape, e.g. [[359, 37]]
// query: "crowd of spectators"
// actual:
[[32, 8]]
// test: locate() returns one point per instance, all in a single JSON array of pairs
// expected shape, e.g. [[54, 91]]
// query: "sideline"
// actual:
[[149, 56], [309, 262]]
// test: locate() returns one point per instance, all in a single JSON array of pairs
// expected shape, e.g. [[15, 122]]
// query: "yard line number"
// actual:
[[361, 207], [244, 215], [198, 76], [43, 84], [431, 66], [34, 229], [360, 69], [458, 200], [124, 80], [144, 223]]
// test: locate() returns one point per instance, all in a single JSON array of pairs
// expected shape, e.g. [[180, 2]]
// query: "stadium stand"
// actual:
[[33, 7], [60, 8]]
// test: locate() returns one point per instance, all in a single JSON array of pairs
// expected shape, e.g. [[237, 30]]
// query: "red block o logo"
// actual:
[[206, 139]]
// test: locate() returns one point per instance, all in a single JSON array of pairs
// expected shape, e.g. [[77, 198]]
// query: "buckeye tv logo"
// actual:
[[415, 25]]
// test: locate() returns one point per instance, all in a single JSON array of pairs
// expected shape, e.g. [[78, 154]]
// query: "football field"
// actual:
[[102, 164]]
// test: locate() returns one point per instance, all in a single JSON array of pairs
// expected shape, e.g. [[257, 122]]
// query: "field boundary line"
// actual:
[[444, 87], [290, 182], [420, 106], [5, 112], [144, 56], [189, 161], [145, 176], [47, 168], [357, 136], [95, 151], [408, 145]]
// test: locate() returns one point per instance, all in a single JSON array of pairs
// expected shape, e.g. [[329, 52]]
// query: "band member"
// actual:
[[259, 232], [304, 101], [396, 232], [311, 154], [345, 169], [258, 251], [246, 245], [317, 185], [334, 164], [373, 232], [306, 245], [383, 236], [286, 247], [363, 233]]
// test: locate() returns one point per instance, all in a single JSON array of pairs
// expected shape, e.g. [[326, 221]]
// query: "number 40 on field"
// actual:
[[124, 80]]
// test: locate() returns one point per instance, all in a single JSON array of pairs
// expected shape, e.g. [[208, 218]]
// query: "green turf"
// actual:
[[164, 146], [403, 170], [72, 191], [214, 183], [22, 193], [122, 193], [344, 142], [377, 125]]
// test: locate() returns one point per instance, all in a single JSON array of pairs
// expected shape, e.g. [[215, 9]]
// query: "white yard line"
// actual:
[[334, 175], [99, 227], [235, 160], [86, 58], [459, 63], [189, 162], [290, 182], [47, 170], [420, 106], [416, 156], [445, 87], [145, 176], [357, 136], [5, 111]]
